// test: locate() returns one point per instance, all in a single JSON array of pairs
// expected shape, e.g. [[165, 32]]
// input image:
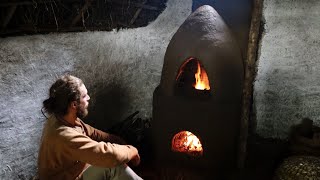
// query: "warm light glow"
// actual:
[[186, 142], [202, 81]]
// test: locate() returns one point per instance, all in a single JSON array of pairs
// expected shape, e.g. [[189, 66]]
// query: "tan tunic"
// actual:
[[66, 151]]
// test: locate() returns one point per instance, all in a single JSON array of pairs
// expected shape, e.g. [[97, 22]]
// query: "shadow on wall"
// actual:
[[277, 105], [110, 103]]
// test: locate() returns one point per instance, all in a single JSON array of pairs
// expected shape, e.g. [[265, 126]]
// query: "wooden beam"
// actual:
[[30, 29], [83, 9], [32, 2], [249, 75], [143, 6], [23, 3], [137, 14], [10, 13], [139, 5], [146, 6]]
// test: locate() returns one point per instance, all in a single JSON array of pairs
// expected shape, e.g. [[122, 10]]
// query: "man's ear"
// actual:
[[73, 105]]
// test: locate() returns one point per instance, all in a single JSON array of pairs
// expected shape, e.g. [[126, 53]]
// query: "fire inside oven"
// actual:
[[196, 107], [192, 79], [188, 143]]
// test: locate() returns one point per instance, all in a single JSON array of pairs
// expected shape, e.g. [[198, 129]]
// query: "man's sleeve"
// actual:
[[99, 135], [82, 148]]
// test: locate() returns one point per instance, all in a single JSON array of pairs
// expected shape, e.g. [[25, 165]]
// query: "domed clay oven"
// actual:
[[199, 93]]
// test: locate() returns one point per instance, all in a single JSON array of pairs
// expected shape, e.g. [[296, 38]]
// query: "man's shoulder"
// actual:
[[57, 129]]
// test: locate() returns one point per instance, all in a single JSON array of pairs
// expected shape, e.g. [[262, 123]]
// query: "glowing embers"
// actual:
[[186, 142], [192, 79]]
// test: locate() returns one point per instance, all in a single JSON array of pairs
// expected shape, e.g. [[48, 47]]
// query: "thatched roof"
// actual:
[[42, 16]]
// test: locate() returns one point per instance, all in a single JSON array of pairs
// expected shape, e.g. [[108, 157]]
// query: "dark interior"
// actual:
[[216, 40]]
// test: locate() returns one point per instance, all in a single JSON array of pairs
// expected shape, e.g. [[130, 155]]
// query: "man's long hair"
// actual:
[[61, 94]]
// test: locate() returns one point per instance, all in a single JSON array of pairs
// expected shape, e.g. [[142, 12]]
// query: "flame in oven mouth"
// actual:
[[193, 67], [202, 81]]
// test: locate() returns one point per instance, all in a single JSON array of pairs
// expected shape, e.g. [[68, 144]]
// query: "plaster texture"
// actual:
[[287, 86], [121, 69]]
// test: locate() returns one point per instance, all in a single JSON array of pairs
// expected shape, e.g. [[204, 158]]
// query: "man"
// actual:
[[73, 150]]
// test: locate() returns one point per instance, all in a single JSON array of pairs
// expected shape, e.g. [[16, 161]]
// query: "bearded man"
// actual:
[[71, 149]]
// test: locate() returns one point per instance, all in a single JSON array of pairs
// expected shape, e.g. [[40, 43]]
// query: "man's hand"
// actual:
[[135, 161], [135, 158]]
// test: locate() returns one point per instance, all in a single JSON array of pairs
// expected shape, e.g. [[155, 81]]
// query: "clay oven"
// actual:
[[196, 107]]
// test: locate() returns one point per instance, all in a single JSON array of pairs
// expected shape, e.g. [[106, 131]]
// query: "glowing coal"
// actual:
[[186, 142]]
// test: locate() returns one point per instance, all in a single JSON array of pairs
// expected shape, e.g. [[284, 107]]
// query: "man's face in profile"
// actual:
[[82, 108]]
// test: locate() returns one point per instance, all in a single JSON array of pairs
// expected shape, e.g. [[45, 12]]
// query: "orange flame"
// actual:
[[202, 81], [186, 142]]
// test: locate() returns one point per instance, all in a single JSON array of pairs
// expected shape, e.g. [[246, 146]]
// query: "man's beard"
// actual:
[[81, 111]]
